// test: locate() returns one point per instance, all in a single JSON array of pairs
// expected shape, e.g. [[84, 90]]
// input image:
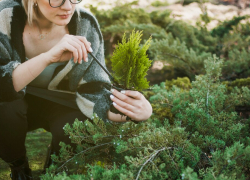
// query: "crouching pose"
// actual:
[[47, 78]]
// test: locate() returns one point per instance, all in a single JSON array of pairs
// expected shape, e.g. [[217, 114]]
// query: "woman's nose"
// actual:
[[67, 5]]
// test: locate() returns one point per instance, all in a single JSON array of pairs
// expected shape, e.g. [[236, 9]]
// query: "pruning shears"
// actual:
[[116, 84]]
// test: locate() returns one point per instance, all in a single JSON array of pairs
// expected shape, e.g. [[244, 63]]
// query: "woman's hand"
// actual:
[[132, 103], [70, 46]]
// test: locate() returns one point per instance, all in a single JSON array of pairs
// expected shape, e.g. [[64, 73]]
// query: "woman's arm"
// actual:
[[132, 104], [69, 46], [28, 71]]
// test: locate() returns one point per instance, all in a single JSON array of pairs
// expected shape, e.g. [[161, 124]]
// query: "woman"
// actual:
[[44, 47]]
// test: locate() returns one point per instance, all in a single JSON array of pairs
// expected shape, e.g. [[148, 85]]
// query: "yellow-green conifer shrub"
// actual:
[[183, 83], [237, 83], [130, 62]]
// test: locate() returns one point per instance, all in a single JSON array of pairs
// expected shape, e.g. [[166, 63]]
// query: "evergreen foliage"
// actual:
[[184, 46], [130, 62], [226, 26], [121, 13], [238, 65], [180, 56], [206, 138]]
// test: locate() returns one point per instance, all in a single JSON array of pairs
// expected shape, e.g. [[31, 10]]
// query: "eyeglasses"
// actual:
[[58, 3]]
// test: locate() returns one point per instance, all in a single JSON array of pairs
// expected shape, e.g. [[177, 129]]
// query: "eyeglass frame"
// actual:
[[63, 3]]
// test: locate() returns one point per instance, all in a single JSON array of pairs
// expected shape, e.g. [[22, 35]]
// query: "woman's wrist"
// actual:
[[46, 58], [120, 118], [116, 117]]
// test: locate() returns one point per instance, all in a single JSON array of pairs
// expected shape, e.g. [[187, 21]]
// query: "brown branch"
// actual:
[[152, 157]]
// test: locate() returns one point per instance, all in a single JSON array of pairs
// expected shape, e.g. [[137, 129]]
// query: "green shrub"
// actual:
[[178, 43], [202, 138]]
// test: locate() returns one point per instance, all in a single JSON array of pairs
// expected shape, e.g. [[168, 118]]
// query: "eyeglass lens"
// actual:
[[57, 3]]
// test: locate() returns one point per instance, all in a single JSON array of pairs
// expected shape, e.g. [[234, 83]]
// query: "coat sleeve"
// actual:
[[9, 60]]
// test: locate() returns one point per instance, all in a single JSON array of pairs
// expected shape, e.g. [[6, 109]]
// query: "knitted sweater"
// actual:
[[86, 81]]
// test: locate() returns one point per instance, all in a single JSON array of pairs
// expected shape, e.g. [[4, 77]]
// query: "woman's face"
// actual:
[[60, 16]]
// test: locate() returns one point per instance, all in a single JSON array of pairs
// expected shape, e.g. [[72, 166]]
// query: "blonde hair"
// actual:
[[31, 10], [29, 7]]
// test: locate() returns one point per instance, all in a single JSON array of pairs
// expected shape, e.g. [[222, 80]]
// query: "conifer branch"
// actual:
[[225, 166], [177, 57], [173, 161], [130, 62], [156, 168], [86, 137], [207, 102], [188, 153], [83, 152], [207, 97], [152, 157]]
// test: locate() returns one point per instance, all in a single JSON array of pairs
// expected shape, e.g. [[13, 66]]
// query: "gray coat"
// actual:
[[86, 81]]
